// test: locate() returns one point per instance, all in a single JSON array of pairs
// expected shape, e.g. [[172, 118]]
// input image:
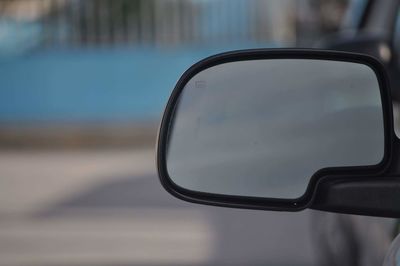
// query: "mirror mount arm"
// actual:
[[373, 196], [364, 197]]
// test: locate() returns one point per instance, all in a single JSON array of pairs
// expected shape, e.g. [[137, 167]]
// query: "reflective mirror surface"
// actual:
[[262, 128]]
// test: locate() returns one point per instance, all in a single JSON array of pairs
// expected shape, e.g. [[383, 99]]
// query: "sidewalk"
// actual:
[[33, 182]]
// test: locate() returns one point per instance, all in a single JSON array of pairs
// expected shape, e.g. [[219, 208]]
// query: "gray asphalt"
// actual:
[[241, 236], [108, 208]]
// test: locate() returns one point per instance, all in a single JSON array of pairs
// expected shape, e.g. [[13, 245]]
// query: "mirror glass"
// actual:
[[262, 128]]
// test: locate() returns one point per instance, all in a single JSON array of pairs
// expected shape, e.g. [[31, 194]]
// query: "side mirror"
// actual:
[[279, 130]]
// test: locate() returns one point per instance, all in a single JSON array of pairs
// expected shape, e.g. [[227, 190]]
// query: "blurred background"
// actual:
[[83, 84]]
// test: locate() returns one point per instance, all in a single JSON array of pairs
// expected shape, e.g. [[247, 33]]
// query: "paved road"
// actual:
[[107, 208]]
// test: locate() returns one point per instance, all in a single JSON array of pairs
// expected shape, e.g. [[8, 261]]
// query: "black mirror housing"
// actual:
[[367, 190]]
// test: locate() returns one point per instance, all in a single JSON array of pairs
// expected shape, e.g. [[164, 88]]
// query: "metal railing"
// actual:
[[153, 22]]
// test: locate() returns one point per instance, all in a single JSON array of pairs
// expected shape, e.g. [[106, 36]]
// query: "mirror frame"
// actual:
[[331, 173]]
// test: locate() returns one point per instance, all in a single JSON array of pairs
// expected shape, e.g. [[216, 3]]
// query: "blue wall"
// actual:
[[102, 85]]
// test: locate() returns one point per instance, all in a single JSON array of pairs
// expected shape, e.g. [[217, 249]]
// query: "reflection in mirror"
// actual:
[[262, 128]]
